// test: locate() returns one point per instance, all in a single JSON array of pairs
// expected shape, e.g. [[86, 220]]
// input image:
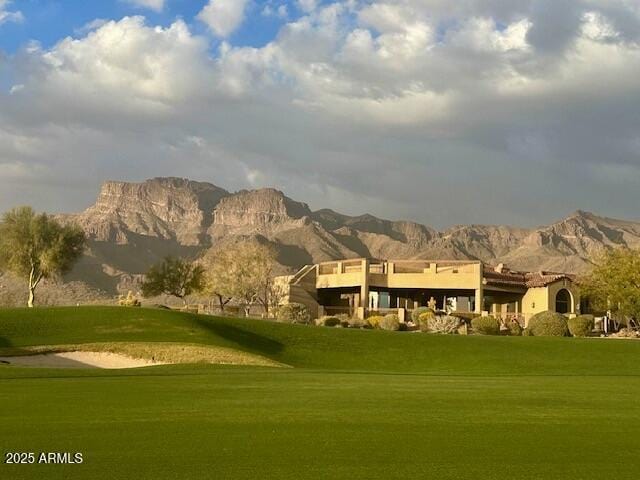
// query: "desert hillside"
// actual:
[[133, 225]]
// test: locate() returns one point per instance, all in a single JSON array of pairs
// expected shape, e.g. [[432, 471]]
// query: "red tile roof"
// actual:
[[522, 280]]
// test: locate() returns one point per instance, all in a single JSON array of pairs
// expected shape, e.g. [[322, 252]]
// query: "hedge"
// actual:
[[581, 326], [548, 324], [486, 325]]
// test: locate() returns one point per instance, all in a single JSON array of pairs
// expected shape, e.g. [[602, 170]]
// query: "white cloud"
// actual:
[[223, 17], [597, 27], [443, 97], [9, 15], [89, 26], [307, 6], [155, 5], [274, 10]]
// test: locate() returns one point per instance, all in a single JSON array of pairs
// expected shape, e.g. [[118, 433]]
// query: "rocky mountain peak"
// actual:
[[133, 225], [263, 209], [168, 208]]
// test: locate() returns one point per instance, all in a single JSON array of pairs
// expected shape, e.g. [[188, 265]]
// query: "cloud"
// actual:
[[9, 15], [443, 112], [223, 17], [89, 26], [272, 9], [307, 5], [155, 5]]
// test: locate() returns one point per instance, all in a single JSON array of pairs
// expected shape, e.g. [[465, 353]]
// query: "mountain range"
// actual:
[[133, 225]]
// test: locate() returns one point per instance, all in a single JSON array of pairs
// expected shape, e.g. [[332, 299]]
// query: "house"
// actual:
[[356, 286]]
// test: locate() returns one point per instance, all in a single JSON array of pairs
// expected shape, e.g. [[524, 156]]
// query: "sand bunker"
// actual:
[[128, 355], [79, 360]]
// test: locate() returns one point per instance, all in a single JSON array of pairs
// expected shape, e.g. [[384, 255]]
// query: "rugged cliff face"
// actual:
[[263, 211], [133, 225], [164, 208]]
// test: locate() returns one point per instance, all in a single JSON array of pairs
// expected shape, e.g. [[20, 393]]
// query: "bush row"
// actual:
[[540, 325]]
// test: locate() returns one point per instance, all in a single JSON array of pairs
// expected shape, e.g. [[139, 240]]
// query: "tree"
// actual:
[[243, 272], [614, 283], [217, 277], [36, 246], [174, 276]]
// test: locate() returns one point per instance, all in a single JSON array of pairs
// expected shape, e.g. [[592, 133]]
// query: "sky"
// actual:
[[474, 111]]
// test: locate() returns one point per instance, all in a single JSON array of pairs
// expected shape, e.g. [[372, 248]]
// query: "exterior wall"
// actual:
[[300, 290], [554, 288], [541, 299], [536, 300], [463, 276]]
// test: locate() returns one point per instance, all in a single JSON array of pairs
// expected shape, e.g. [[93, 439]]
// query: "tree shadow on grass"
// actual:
[[245, 339], [4, 342]]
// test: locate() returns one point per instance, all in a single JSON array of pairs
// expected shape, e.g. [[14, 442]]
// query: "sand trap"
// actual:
[[129, 355], [79, 360]]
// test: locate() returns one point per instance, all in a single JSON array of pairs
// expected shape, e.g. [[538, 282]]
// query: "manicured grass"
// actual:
[[324, 348], [359, 404]]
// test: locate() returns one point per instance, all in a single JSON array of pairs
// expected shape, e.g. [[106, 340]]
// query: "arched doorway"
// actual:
[[563, 301]]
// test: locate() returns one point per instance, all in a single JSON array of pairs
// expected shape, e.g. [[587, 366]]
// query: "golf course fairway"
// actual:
[[337, 403]]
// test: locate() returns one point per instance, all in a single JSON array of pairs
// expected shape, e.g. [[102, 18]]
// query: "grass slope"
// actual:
[[360, 404], [323, 348]]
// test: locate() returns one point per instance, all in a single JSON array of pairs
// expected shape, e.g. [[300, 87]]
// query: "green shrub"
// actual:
[[416, 312], [515, 329], [581, 326], [445, 324], [548, 324], [328, 321], [423, 320], [390, 322], [293, 313], [375, 321], [486, 325]]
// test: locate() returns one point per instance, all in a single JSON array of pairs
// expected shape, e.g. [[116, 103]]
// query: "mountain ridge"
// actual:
[[133, 225]]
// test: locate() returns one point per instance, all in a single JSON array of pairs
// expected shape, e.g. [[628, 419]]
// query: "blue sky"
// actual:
[[48, 21], [444, 112]]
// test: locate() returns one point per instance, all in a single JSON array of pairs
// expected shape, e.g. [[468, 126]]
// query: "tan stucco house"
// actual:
[[359, 285]]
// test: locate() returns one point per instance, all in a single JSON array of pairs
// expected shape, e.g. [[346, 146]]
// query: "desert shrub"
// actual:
[[374, 313], [293, 313], [355, 322], [548, 324], [416, 312], [486, 325], [128, 300], [626, 333], [581, 326], [390, 322], [526, 332], [466, 316], [423, 320], [445, 324], [328, 321], [375, 321], [515, 329]]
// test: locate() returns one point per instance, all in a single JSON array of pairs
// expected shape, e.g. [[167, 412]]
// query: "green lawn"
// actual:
[[358, 404]]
